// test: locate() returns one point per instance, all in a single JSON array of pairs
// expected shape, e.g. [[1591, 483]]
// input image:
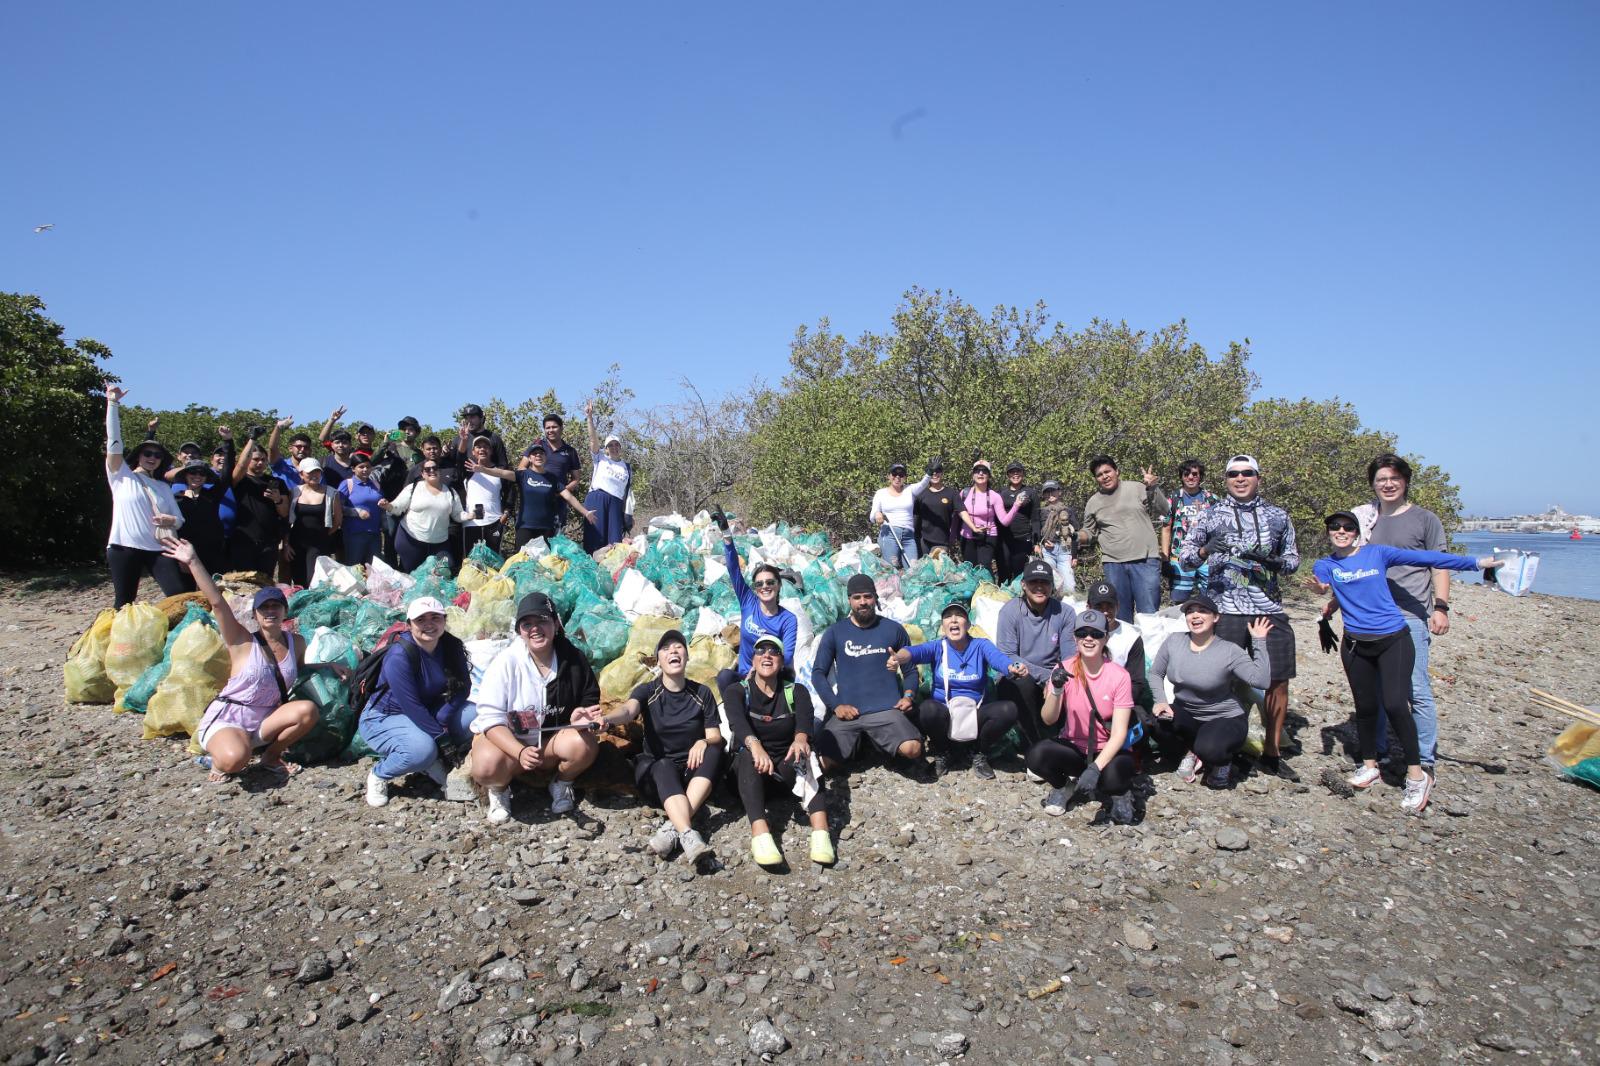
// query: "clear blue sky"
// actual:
[[295, 204]]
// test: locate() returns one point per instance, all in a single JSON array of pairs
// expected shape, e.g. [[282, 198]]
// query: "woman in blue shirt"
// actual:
[[759, 612], [960, 707], [363, 518], [1376, 648]]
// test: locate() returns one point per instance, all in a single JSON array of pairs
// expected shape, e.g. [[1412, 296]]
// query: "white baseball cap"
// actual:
[[308, 464], [423, 605]]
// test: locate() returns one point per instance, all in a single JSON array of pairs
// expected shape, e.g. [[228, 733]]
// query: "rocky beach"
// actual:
[[150, 917]]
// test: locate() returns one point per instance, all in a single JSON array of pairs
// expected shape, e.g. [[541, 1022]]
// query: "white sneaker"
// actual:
[[499, 806], [664, 840], [1364, 777], [1190, 768], [1055, 804], [377, 790], [1417, 792], [1032, 778], [437, 773], [562, 797], [694, 846]]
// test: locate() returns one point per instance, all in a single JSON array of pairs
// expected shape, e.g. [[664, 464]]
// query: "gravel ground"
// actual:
[[149, 917]]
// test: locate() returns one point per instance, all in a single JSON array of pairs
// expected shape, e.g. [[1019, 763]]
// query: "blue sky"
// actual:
[[405, 206]]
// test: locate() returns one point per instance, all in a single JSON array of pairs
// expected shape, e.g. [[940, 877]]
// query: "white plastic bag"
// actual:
[[480, 653], [387, 585], [347, 580], [636, 595], [1516, 577], [708, 624]]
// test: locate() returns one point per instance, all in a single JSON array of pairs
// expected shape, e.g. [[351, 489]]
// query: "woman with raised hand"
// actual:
[[1091, 748], [315, 513], [759, 612], [1376, 647], [608, 490], [892, 512], [1205, 717], [426, 507], [419, 702], [772, 723], [983, 514], [144, 515], [253, 712], [482, 515], [261, 504], [962, 705]]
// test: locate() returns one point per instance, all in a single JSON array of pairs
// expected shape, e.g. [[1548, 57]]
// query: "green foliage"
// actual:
[[950, 380], [54, 506]]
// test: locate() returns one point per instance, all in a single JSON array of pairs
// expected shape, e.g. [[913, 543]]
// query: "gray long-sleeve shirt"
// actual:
[[1036, 638], [1202, 681]]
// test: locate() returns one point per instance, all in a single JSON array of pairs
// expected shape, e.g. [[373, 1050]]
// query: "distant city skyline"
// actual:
[[297, 206]]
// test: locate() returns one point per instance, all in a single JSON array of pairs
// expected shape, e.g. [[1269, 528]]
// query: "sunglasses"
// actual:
[[430, 470], [1342, 527], [147, 454], [767, 583], [765, 649], [1088, 634], [1242, 473]]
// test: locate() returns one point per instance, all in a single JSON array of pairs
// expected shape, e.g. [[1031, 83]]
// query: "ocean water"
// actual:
[[1566, 567]]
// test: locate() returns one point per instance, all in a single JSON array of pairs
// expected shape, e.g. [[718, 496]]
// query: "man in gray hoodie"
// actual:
[[1031, 629]]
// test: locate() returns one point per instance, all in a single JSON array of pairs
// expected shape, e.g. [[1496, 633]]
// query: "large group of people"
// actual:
[[1073, 683]]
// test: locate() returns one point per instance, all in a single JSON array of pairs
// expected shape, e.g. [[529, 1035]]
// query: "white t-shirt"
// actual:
[[610, 476], [485, 489], [427, 514], [1120, 643], [896, 510], [513, 693], [134, 498]]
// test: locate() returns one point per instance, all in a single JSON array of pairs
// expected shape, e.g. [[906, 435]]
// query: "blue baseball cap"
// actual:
[[268, 595]]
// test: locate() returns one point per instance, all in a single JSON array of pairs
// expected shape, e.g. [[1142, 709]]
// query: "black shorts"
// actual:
[[1280, 640]]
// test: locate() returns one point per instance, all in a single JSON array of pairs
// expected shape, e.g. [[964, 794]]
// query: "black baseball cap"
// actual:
[[672, 636], [1348, 516], [1015, 467], [897, 468], [341, 435], [1101, 592], [1198, 601], [535, 604], [409, 423], [471, 409], [955, 607], [189, 446], [1039, 570], [365, 427]]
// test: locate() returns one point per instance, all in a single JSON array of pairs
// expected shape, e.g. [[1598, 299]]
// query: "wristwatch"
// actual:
[[1442, 605]]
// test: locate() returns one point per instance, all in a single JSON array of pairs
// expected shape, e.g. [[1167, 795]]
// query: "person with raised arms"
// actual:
[[759, 612], [772, 723], [143, 513], [891, 511], [538, 711]]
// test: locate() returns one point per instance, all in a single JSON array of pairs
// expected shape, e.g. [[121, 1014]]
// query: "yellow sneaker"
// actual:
[[765, 850], [822, 847]]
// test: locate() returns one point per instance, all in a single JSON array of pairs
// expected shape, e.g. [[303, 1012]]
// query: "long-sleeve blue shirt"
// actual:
[[420, 693], [968, 669], [754, 622], [1360, 583], [857, 659]]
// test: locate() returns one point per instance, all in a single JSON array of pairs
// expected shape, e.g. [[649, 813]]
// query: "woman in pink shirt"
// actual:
[[985, 512]]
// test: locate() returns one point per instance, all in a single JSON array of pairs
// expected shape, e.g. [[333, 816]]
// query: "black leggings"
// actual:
[[1027, 695], [1379, 671], [754, 788], [525, 534], [979, 552], [1214, 741], [128, 565], [659, 779], [1059, 761], [412, 552], [1014, 555], [994, 718], [475, 535]]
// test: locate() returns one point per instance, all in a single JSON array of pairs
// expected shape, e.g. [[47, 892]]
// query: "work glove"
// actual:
[[1088, 781], [720, 518], [1058, 678], [1325, 636]]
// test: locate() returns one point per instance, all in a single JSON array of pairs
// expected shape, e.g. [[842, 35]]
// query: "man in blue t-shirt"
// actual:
[[863, 696]]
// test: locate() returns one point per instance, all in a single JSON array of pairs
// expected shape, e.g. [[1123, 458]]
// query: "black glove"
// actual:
[[254, 432], [977, 453], [937, 462], [1088, 780], [1257, 554], [1488, 575], [1058, 678], [720, 519], [792, 578], [1325, 636]]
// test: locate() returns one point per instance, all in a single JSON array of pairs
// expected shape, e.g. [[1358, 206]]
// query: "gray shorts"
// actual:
[[886, 729]]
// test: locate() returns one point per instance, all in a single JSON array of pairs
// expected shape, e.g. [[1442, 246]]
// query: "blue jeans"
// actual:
[[359, 547], [1423, 711], [402, 747], [899, 546], [1138, 586], [1060, 560]]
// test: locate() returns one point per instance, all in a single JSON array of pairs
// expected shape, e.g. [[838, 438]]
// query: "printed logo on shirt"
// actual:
[[857, 651], [1346, 576], [753, 627]]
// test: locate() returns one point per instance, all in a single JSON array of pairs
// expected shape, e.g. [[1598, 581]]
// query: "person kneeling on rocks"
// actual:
[[770, 718], [1092, 745], [961, 711], [538, 712], [253, 712], [419, 701], [682, 746], [864, 698]]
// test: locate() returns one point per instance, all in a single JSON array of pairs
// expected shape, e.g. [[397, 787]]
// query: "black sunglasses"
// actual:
[[1345, 527], [148, 454], [1242, 473], [430, 470], [765, 649], [1085, 634], [766, 583]]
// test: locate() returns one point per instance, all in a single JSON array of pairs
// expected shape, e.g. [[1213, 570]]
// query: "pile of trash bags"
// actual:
[[614, 606]]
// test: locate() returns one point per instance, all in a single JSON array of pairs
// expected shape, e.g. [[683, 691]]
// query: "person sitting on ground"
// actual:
[[143, 513], [262, 503], [1376, 647], [1091, 747], [359, 497], [891, 512], [1124, 644], [759, 612], [861, 695], [1205, 718], [682, 751], [608, 490], [772, 724], [426, 507], [1035, 629], [544, 496], [420, 702], [538, 712], [483, 516], [315, 513], [1055, 528], [253, 712], [961, 710]]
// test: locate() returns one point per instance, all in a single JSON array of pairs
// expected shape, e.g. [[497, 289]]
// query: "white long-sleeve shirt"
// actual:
[[896, 508]]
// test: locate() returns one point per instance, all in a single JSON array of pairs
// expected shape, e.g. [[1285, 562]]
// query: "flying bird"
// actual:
[[41, 229]]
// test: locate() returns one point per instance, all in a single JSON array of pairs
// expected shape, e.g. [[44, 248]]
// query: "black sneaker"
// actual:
[[981, 767], [1122, 809], [940, 767]]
